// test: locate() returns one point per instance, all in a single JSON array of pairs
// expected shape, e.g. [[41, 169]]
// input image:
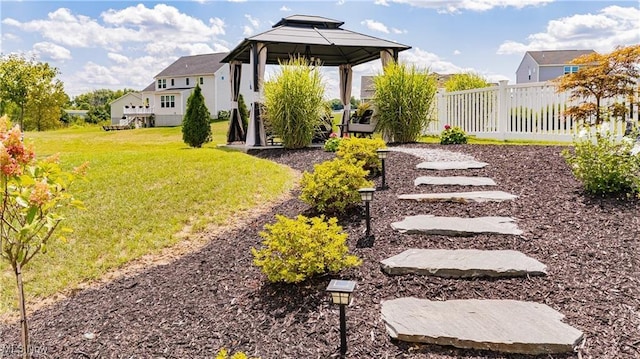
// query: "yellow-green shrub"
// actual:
[[224, 354], [296, 249], [362, 150], [333, 186]]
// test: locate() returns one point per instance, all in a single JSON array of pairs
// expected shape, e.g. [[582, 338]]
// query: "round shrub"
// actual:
[[453, 136], [604, 164], [362, 150], [296, 249], [333, 186], [331, 145]]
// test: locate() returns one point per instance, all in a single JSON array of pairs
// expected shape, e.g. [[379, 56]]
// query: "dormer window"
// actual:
[[570, 69], [162, 83], [202, 81], [173, 82], [187, 81]]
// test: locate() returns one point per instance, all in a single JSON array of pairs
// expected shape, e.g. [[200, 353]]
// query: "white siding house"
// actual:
[[541, 66], [164, 102]]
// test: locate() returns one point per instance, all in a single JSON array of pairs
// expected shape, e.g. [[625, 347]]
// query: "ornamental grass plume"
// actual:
[[32, 193]]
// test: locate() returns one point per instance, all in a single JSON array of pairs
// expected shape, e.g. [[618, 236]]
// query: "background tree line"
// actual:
[[33, 97]]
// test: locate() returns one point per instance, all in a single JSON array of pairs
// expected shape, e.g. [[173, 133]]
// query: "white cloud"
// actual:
[[284, 8], [64, 28], [252, 20], [117, 58], [453, 6], [613, 25], [381, 2], [375, 26], [247, 30], [456, 52], [398, 31], [51, 51]]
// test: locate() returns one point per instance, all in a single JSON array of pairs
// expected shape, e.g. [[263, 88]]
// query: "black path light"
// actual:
[[382, 155], [366, 194], [340, 291]]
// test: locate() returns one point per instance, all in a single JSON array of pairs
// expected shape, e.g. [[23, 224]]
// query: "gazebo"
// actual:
[[314, 37]]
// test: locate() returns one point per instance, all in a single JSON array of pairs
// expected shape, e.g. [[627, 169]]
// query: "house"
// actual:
[[541, 66], [367, 87], [164, 102]]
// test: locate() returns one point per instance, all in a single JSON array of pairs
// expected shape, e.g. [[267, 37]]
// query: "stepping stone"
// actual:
[[462, 197], [463, 263], [451, 165], [455, 181], [500, 325], [456, 226]]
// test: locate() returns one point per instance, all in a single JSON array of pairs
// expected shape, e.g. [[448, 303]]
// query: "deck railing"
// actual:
[[137, 110], [514, 112]]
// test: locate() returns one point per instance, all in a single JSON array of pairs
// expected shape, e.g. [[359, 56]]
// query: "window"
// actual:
[[187, 81], [162, 83], [570, 69], [202, 81], [173, 82], [167, 101]]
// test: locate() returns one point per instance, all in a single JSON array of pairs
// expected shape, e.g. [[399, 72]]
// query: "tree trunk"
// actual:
[[23, 313]]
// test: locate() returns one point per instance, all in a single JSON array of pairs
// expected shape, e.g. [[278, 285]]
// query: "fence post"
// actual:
[[503, 109]]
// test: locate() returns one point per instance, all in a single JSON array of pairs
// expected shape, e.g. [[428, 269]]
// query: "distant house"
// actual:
[[164, 102], [541, 66]]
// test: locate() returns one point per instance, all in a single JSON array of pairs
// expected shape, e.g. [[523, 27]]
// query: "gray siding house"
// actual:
[[541, 66]]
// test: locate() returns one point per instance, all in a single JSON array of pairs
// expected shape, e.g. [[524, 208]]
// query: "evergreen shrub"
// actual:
[[363, 150], [196, 129], [333, 186], [296, 249]]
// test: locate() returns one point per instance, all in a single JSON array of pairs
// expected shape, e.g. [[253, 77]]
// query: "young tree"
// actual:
[[244, 112], [23, 81], [602, 76], [44, 106], [31, 194], [196, 129], [465, 81]]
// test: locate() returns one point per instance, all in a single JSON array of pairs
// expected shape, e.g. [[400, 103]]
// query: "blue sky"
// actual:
[[118, 44]]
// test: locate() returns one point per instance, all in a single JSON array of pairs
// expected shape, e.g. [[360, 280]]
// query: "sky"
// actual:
[[124, 44]]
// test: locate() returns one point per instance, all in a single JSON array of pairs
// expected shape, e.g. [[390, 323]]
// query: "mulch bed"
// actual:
[[216, 298]]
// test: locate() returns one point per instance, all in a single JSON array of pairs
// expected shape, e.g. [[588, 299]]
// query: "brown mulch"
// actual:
[[216, 298]]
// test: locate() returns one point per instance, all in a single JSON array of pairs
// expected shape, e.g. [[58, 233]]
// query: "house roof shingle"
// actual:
[[206, 64], [557, 57]]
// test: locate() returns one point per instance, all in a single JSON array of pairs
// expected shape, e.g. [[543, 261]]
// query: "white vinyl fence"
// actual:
[[512, 112]]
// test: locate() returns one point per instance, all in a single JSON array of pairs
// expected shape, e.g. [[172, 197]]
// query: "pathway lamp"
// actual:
[[382, 155], [340, 291], [366, 194]]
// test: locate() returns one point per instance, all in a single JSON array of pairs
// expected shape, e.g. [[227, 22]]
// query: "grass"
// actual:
[[143, 187]]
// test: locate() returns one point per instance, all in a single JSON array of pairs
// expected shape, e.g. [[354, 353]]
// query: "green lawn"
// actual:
[[143, 187]]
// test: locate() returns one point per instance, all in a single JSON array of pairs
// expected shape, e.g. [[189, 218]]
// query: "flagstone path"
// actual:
[[498, 325], [451, 165], [456, 226], [463, 263], [462, 197], [454, 181]]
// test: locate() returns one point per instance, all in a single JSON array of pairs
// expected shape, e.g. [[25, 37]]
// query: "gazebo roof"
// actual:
[[314, 36]]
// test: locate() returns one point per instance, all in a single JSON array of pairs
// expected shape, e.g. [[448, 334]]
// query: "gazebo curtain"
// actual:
[[255, 133], [346, 75], [236, 130]]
